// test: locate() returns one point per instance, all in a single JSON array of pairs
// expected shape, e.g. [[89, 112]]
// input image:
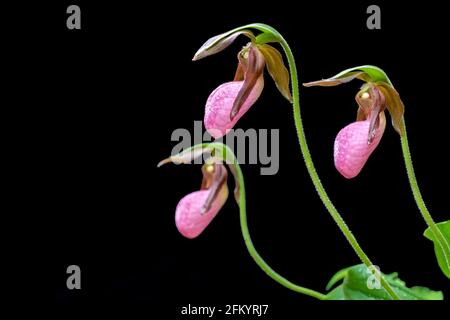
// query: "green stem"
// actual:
[[310, 165], [231, 160], [419, 200]]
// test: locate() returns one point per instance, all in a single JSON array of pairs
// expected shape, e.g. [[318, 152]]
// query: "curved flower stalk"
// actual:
[[356, 142], [270, 35], [195, 211]]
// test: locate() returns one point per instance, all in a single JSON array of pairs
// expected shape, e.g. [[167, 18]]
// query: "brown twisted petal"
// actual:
[[214, 179], [379, 104], [239, 75], [242, 65], [394, 105], [337, 81], [231, 162], [277, 69], [255, 69], [370, 107]]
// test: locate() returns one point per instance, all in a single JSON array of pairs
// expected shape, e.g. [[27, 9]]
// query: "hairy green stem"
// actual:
[[419, 200], [310, 165], [231, 160]]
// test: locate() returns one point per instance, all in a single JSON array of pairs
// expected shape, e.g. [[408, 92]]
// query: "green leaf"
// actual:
[[444, 227], [337, 277], [356, 281]]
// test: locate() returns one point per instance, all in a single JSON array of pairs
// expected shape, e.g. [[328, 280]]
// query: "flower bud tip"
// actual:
[[163, 162]]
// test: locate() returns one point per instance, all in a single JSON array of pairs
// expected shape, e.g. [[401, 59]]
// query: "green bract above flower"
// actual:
[[219, 43]]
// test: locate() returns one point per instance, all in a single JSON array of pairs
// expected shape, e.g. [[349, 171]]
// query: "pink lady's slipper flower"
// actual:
[[355, 143], [231, 100], [196, 210]]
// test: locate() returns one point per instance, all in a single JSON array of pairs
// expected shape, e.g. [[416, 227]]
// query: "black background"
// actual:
[[96, 109]]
